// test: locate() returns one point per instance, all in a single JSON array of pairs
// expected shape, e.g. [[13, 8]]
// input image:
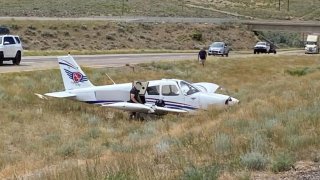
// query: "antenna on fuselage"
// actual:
[[110, 78]]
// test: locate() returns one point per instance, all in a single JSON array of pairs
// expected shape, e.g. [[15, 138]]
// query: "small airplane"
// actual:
[[159, 96]]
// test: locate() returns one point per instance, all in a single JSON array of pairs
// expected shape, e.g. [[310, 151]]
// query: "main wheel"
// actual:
[[17, 59]]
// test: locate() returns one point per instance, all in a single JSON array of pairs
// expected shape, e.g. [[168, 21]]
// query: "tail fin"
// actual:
[[72, 75]]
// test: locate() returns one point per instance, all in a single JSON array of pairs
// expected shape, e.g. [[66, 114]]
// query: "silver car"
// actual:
[[219, 48]]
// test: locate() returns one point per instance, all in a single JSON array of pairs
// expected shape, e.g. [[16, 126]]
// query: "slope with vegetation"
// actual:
[[104, 36], [276, 124], [265, 9]]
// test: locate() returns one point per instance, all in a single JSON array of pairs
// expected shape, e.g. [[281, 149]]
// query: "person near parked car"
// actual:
[[202, 56]]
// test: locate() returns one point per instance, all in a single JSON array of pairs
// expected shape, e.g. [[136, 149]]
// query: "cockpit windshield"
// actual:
[[187, 88]]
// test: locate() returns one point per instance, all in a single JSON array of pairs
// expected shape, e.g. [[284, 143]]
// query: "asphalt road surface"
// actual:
[[116, 60], [32, 63]]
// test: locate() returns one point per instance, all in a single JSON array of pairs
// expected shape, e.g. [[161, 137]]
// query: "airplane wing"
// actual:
[[135, 107], [164, 110], [62, 94], [207, 87]]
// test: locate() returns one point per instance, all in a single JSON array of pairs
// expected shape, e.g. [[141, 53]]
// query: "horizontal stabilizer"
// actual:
[[62, 94], [135, 107], [40, 96]]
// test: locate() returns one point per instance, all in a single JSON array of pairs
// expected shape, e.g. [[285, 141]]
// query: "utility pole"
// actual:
[[122, 9], [288, 5], [279, 5]]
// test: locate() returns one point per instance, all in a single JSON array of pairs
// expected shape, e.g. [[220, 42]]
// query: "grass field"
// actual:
[[269, 9], [275, 125], [84, 8]]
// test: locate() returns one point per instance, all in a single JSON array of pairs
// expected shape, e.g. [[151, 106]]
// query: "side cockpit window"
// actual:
[[153, 90], [170, 90], [187, 88]]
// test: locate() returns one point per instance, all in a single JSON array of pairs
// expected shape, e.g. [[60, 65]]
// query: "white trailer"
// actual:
[[312, 44]]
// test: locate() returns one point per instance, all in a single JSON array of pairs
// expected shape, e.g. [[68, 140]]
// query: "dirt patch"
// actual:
[[301, 170]]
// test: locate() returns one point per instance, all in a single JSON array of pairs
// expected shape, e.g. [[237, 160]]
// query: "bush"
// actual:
[[298, 72], [197, 36], [282, 162], [222, 143], [67, 150], [254, 161], [4, 30], [209, 172]]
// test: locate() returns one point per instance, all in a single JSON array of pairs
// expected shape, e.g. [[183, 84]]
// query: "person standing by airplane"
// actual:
[[202, 56], [134, 93], [135, 97]]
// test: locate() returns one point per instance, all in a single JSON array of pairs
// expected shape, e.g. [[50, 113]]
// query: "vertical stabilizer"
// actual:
[[72, 75]]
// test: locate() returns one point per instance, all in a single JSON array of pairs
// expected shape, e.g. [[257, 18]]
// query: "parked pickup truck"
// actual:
[[10, 49], [264, 47]]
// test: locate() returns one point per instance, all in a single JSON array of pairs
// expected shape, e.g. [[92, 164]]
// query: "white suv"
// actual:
[[10, 49]]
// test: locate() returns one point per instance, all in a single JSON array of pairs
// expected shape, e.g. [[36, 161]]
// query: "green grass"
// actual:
[[278, 113]]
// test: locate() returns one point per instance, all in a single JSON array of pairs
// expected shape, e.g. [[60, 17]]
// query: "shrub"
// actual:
[[209, 172], [254, 161], [197, 36], [67, 150], [298, 72], [94, 133], [110, 37], [118, 176], [282, 162], [222, 143]]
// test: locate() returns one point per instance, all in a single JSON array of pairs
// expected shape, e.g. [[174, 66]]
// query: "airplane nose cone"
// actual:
[[232, 101]]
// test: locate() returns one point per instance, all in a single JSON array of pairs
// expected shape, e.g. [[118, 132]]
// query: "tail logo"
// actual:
[[76, 76]]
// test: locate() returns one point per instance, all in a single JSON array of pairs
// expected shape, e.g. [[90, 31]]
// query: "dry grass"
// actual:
[[266, 9], [307, 9], [61, 139], [84, 8]]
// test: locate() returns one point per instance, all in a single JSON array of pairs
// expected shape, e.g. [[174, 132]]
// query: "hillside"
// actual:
[[276, 125], [91, 35], [265, 9]]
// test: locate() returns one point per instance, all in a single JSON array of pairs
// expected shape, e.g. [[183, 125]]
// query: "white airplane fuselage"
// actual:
[[174, 98], [157, 96]]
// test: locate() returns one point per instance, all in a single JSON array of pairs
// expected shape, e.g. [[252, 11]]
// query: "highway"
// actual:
[[32, 63]]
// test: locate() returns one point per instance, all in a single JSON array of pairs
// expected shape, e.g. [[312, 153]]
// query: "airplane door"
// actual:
[[192, 100], [171, 95], [191, 97]]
